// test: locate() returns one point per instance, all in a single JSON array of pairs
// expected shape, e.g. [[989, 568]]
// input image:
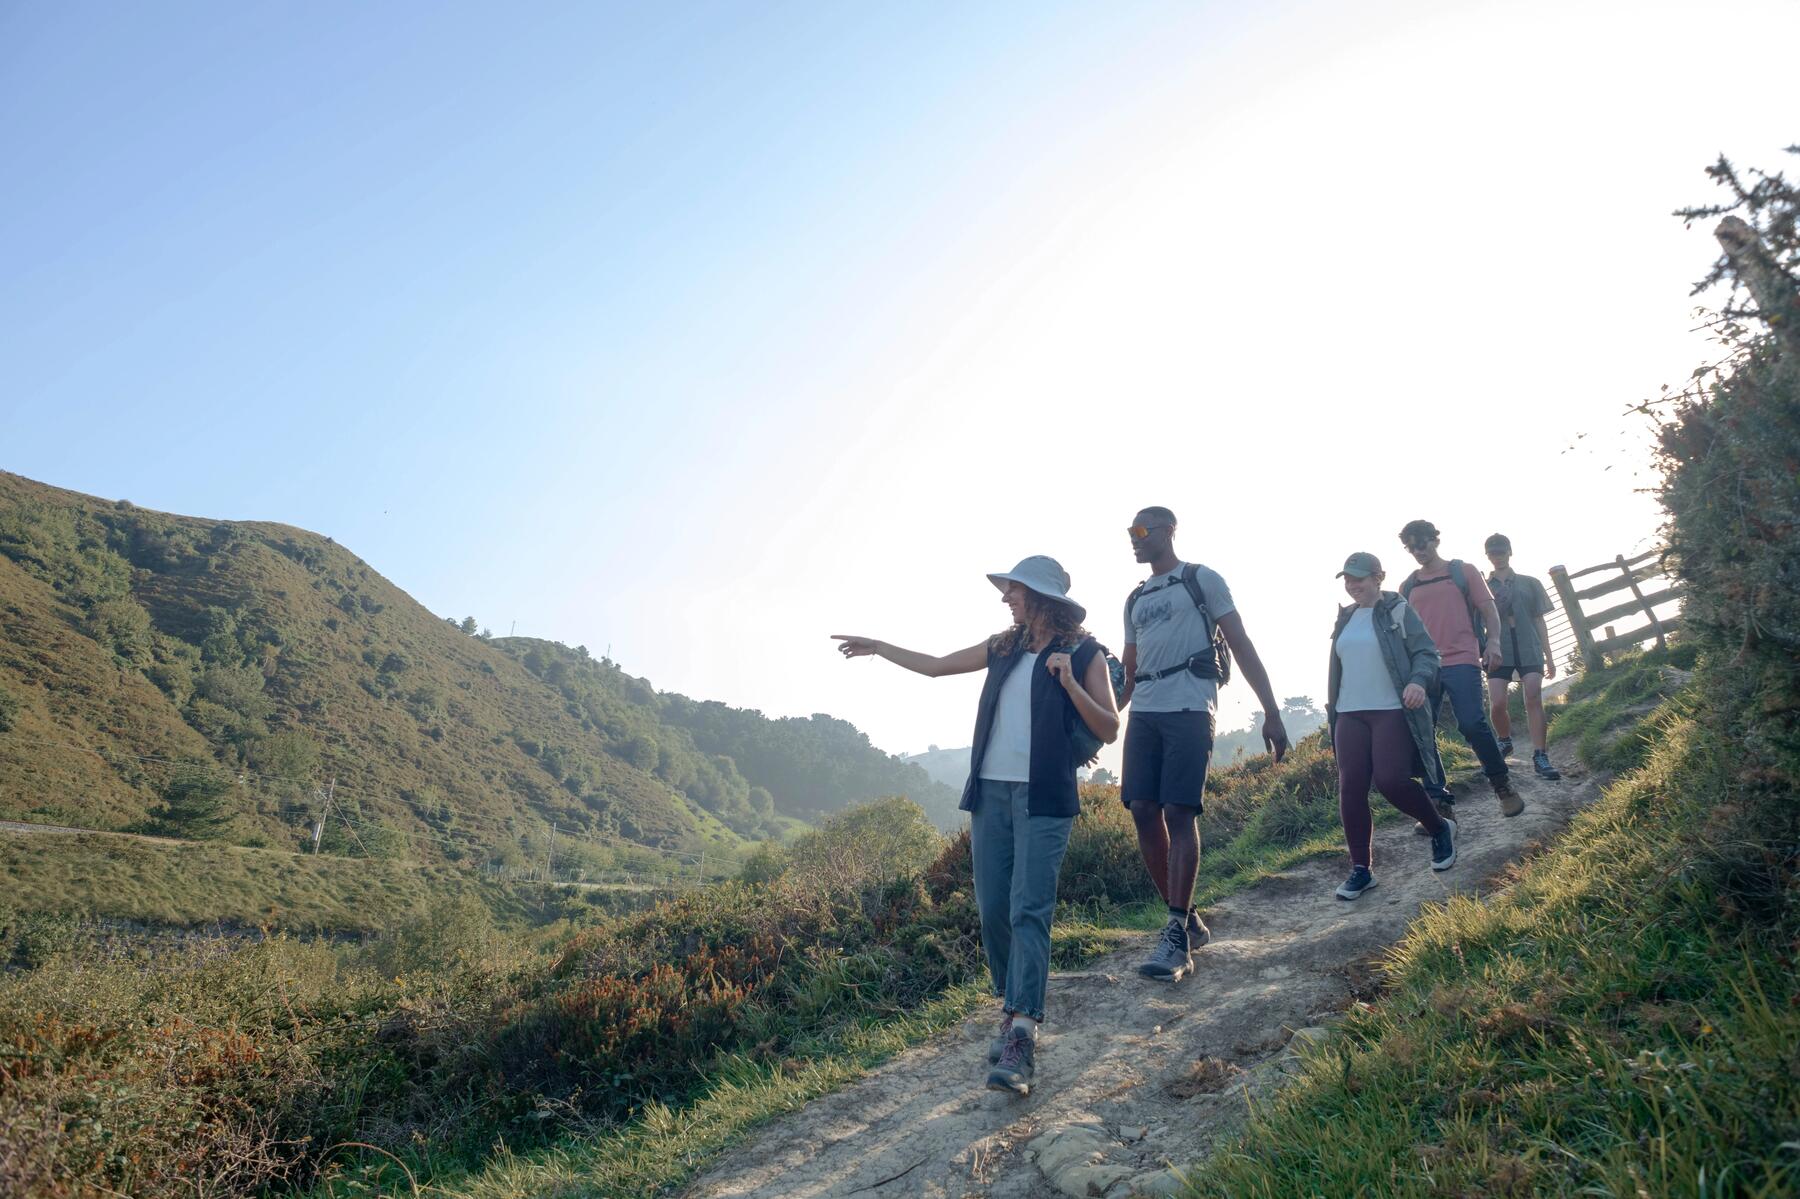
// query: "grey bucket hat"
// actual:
[[1043, 575]]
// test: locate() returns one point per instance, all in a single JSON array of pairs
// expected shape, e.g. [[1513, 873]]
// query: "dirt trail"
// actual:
[[1114, 1101]]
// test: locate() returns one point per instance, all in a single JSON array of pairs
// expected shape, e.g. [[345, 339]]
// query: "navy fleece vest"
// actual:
[[1051, 789]]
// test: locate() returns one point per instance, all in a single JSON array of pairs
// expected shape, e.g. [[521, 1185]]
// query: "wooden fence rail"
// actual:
[[1630, 575]]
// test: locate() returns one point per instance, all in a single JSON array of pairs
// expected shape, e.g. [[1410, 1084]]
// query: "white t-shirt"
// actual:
[[1008, 756], [1167, 628], [1365, 685]]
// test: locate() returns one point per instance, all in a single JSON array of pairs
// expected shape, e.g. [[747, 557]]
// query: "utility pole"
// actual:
[[550, 854], [319, 828]]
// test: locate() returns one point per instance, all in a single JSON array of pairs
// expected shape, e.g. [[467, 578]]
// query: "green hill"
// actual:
[[208, 679]]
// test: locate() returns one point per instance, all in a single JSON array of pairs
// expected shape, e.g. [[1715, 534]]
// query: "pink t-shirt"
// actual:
[[1440, 604]]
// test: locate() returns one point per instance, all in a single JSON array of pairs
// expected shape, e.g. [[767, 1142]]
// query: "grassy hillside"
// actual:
[[207, 679]]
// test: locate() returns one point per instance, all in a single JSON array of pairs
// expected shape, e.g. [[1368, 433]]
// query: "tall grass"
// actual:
[[1625, 1020]]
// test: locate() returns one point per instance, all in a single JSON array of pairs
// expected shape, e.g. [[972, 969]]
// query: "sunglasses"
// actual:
[[1139, 532]]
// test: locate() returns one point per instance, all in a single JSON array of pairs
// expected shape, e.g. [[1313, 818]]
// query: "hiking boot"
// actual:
[[997, 1046], [1360, 880], [1018, 1062], [1540, 762], [1505, 746], [1443, 846], [1510, 803], [1171, 959], [1198, 933]]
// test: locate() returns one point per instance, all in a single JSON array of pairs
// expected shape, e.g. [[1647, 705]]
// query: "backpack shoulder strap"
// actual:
[[1132, 599], [1190, 578], [1459, 572]]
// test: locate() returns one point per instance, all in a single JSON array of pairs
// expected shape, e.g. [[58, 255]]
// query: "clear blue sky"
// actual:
[[702, 330]]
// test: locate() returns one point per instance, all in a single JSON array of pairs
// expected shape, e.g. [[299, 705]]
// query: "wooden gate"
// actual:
[[1620, 575]]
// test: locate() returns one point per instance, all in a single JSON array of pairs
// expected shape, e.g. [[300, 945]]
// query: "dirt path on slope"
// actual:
[[1115, 1097]]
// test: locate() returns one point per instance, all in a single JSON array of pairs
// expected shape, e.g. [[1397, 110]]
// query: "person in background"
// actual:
[[1524, 653], [1172, 668], [1453, 601], [1383, 665], [1043, 673]]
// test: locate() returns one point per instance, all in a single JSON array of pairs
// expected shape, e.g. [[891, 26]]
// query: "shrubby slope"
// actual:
[[169, 673]]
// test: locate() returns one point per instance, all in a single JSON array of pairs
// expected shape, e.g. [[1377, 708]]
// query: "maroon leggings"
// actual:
[[1378, 746]]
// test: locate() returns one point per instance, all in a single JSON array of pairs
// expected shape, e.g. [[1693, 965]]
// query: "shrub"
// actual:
[[453, 933], [885, 838]]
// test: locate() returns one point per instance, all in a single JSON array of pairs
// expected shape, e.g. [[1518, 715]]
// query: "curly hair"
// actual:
[[1065, 627]]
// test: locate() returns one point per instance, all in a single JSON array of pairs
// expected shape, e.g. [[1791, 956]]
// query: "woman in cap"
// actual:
[[1382, 663], [1044, 673]]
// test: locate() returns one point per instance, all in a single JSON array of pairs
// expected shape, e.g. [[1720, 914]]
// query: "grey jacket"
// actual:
[[1412, 657]]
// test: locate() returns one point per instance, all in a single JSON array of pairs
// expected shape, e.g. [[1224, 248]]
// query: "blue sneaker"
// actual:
[[1443, 846], [1360, 880]]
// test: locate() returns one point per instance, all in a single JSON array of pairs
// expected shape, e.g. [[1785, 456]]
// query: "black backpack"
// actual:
[[1458, 572], [1213, 665]]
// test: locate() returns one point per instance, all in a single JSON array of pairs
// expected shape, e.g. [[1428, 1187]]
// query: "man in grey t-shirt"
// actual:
[[1173, 690]]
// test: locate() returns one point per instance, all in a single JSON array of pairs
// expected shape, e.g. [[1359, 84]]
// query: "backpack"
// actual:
[[1458, 573], [1082, 741], [1214, 665]]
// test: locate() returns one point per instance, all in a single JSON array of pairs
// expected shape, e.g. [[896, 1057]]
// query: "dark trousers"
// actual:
[[1468, 699], [1375, 747]]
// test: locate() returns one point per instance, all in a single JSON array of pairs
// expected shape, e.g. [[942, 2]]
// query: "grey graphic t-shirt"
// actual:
[[1166, 627]]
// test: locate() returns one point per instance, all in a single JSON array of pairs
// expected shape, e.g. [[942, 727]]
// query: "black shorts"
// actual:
[[1166, 756], [1519, 670]]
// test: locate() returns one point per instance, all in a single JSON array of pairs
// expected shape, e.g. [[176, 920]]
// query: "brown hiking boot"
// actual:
[[1510, 803]]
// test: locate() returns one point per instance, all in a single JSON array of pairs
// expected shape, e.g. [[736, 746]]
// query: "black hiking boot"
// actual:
[[1360, 880], [1505, 746], [1540, 762], [1018, 1062]]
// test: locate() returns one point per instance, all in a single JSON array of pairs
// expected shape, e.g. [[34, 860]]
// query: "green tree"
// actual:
[[642, 751], [468, 625], [9, 709], [288, 755], [199, 801]]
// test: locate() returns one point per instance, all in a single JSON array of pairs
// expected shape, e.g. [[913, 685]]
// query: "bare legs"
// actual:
[[1533, 687], [1169, 838]]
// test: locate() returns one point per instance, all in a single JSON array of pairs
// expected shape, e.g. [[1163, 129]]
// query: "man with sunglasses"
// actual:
[[1172, 684], [1450, 608]]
